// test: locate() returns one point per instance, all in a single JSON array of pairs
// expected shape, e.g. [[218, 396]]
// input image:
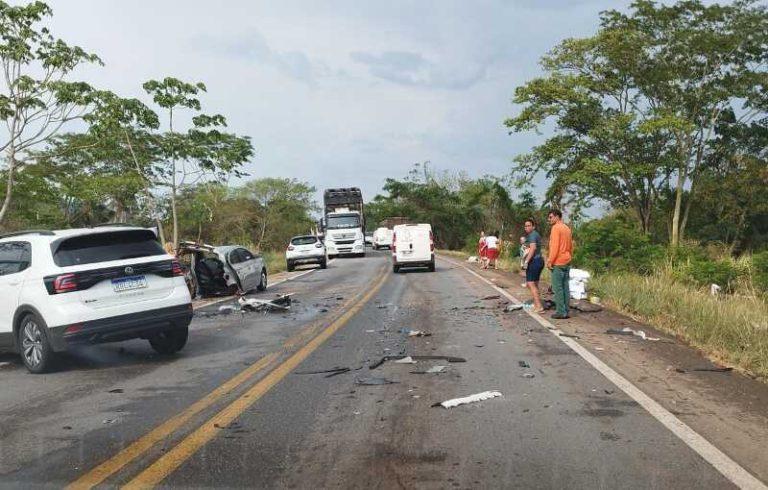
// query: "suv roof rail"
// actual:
[[104, 225], [27, 232]]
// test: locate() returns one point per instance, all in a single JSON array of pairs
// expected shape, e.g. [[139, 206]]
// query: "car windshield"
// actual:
[[304, 240], [349, 221]]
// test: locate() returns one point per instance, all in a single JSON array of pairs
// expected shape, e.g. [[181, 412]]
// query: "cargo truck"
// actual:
[[343, 222]]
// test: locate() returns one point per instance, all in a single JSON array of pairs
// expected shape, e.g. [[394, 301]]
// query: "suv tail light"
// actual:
[[176, 269], [394, 240], [64, 283], [291, 247], [431, 242]]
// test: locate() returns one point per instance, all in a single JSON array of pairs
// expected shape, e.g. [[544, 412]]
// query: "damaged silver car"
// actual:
[[222, 270]]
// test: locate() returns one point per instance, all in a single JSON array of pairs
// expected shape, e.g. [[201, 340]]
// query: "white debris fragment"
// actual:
[[436, 369], [640, 333], [478, 397], [714, 289], [472, 258], [226, 309], [405, 360]]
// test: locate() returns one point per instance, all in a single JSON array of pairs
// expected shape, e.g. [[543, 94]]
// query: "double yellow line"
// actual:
[[174, 458]]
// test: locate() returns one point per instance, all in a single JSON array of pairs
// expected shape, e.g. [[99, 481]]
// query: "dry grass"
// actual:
[[275, 262], [732, 329]]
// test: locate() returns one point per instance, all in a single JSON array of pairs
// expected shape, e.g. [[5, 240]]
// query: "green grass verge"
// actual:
[[275, 262], [729, 328]]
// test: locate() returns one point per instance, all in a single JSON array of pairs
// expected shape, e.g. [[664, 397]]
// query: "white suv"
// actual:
[[84, 286], [305, 249]]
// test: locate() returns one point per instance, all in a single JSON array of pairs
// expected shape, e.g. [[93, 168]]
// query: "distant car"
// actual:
[[222, 270], [413, 246], [86, 286], [382, 238], [305, 249], [369, 238]]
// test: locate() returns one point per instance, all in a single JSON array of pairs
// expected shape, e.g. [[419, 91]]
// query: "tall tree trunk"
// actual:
[[8, 184], [147, 192]]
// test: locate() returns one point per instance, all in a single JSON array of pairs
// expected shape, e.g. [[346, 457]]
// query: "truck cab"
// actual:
[[344, 234]]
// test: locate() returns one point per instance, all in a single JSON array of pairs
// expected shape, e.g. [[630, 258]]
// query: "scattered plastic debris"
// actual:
[[493, 296], [568, 335], [471, 258], [5, 364], [523, 364], [455, 402], [415, 333], [586, 306], [714, 289], [416, 358], [432, 370], [528, 375], [108, 421], [405, 360], [373, 381], [281, 303], [117, 390], [330, 372], [227, 309], [514, 307], [629, 331], [706, 369]]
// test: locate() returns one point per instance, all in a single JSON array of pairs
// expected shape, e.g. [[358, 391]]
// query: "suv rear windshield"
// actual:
[[103, 247], [304, 240]]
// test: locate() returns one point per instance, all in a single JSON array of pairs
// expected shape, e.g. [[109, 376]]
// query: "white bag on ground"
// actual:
[[577, 283]]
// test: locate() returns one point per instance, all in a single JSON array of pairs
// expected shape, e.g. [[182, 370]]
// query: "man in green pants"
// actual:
[[559, 262]]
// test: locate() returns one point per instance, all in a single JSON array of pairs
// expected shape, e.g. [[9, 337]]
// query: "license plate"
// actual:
[[129, 283]]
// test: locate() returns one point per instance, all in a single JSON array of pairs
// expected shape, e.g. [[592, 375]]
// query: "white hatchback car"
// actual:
[[305, 249], [86, 286]]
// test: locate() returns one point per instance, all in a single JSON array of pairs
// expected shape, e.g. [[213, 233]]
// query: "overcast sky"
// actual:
[[340, 93]]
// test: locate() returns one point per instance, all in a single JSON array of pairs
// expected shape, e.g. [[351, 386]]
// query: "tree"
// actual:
[[202, 151], [282, 209], [37, 99], [636, 106]]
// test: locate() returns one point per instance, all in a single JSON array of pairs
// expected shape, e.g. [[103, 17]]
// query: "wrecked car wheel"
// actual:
[[289, 267], [263, 282], [170, 341], [324, 265]]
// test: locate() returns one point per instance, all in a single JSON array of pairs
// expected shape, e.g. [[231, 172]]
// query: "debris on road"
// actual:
[[494, 296], [330, 372], [281, 303], [432, 370], [586, 306], [568, 335], [714, 369], [514, 307], [5, 364], [528, 375], [472, 258], [523, 364], [478, 397], [384, 359], [415, 333], [117, 390], [405, 360], [374, 381], [227, 309], [577, 283], [629, 331]]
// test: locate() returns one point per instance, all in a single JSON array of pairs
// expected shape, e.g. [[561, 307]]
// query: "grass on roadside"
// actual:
[[275, 262], [732, 329]]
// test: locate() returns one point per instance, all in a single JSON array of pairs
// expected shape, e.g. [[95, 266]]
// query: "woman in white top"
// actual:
[[492, 252]]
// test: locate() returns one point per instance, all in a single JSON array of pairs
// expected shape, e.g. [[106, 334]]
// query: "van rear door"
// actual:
[[413, 244]]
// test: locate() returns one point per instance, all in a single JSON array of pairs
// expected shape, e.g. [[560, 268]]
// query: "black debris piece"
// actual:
[[416, 358], [706, 370], [570, 336], [523, 364], [117, 390], [494, 296], [373, 381], [616, 331]]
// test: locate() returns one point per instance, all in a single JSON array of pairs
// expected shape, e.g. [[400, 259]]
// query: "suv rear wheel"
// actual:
[[36, 351], [289, 266], [169, 341]]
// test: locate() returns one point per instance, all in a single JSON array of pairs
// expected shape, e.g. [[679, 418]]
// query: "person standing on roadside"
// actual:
[[533, 263], [559, 262], [492, 244], [481, 249]]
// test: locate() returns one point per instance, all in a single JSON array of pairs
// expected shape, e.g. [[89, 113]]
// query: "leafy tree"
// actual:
[[37, 98], [202, 151], [636, 106]]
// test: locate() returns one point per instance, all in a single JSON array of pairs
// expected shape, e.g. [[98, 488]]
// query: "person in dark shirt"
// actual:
[[533, 263]]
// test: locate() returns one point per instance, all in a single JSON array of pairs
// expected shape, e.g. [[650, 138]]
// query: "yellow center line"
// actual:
[[174, 458], [140, 446]]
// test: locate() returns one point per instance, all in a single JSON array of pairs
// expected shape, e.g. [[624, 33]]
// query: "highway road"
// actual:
[[244, 405]]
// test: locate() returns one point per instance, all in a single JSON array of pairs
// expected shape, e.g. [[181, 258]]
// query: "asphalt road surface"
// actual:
[[239, 406]]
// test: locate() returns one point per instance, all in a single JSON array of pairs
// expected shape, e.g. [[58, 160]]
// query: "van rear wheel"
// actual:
[[432, 266], [169, 341]]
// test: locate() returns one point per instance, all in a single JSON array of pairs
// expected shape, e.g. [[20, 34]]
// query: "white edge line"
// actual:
[[718, 459], [269, 285]]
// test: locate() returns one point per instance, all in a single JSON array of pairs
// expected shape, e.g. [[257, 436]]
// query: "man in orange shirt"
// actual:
[[559, 262]]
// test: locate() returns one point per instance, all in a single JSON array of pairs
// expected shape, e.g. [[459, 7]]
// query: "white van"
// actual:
[[413, 246], [382, 238]]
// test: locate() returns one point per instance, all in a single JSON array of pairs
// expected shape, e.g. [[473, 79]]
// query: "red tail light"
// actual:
[[73, 329], [176, 268], [290, 247], [394, 240], [64, 283], [431, 242]]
